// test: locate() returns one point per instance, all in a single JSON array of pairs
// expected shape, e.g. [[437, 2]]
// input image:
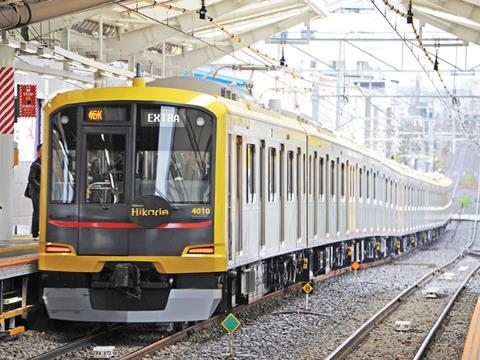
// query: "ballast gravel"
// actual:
[[281, 328], [450, 340]]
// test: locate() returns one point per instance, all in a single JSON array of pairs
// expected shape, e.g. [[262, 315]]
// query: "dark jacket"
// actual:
[[34, 175]]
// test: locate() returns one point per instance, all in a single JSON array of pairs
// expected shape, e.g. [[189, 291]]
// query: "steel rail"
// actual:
[[427, 341], [347, 345], [433, 331], [183, 334], [74, 345]]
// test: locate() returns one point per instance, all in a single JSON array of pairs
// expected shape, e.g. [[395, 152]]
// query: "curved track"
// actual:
[[357, 345]]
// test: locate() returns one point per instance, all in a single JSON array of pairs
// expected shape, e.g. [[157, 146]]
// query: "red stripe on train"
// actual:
[[115, 225]]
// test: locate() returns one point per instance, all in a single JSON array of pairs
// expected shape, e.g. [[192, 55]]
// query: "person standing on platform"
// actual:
[[34, 190]]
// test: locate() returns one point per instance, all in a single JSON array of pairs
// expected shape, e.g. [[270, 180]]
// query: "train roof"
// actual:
[[301, 124], [209, 93]]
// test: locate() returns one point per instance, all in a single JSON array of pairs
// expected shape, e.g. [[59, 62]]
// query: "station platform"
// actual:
[[18, 257], [471, 350], [465, 217]]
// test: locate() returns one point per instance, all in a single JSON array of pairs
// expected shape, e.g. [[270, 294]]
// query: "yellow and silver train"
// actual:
[[162, 204]]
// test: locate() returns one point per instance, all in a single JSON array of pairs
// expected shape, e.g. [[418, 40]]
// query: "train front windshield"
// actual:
[[173, 154], [105, 157]]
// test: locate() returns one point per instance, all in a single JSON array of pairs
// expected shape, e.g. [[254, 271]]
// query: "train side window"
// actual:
[[250, 173], [391, 192], [298, 175], [315, 175], [272, 160], [304, 173], [321, 176], [332, 180], [105, 168], [63, 157], [352, 182], [360, 176], [310, 182], [290, 176], [368, 184], [386, 191], [342, 180]]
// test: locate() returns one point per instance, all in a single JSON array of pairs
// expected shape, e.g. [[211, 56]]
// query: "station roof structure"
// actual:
[[146, 29], [458, 17]]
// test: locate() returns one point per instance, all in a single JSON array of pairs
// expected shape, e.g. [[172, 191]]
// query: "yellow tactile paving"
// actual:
[[471, 350], [13, 248]]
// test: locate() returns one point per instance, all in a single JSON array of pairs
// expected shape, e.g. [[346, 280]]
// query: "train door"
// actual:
[[237, 195], [332, 205], [311, 198], [299, 196], [321, 218], [230, 197], [262, 197], [63, 176], [338, 198], [273, 198], [251, 215], [290, 208], [106, 166], [282, 193]]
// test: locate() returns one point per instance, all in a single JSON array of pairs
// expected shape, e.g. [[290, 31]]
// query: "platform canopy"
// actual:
[[143, 30], [458, 17]]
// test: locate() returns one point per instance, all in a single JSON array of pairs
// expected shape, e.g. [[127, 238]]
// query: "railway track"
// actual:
[[181, 335], [104, 334], [357, 344], [101, 334], [76, 344]]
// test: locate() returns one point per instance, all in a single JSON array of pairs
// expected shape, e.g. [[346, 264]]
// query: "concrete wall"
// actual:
[[22, 206]]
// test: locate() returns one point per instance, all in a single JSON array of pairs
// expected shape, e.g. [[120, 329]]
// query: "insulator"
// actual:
[[203, 11], [410, 14]]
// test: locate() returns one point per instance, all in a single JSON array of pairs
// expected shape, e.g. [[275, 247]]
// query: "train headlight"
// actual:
[[64, 119], [200, 121]]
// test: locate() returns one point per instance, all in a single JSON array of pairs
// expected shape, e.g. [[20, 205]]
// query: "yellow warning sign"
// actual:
[[305, 264], [356, 266], [307, 288]]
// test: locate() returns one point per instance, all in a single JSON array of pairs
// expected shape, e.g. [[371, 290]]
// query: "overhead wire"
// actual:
[[454, 106]]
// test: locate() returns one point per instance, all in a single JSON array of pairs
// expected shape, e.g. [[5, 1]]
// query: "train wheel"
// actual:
[[179, 326]]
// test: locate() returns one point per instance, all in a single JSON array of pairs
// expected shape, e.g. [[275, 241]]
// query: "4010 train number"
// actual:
[[201, 211]]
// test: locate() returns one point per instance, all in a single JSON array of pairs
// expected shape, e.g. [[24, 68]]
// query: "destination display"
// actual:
[[106, 113], [163, 116]]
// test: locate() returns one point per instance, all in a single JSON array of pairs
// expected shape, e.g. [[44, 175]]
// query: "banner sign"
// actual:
[[7, 102], [28, 100]]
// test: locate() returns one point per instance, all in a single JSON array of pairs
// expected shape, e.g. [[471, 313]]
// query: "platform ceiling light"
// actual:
[[45, 53], [5, 40], [106, 74], [47, 76], [90, 68], [58, 57], [75, 63], [28, 48], [10, 42], [318, 6]]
